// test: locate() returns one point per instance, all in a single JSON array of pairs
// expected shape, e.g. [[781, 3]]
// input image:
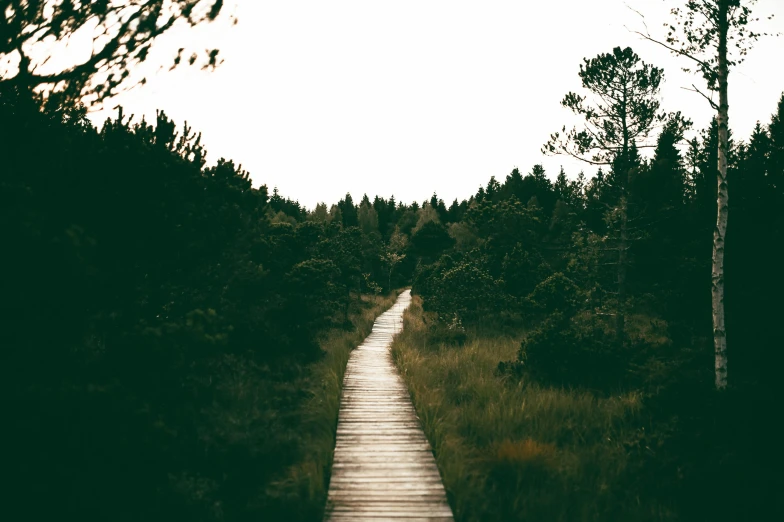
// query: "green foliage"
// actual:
[[557, 294], [558, 270], [521, 270], [511, 450], [572, 352], [625, 109], [164, 321], [314, 287], [430, 240], [461, 289], [695, 33], [116, 48], [157, 322]]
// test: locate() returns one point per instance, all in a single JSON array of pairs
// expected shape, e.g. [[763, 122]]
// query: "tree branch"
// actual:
[[695, 89], [681, 52]]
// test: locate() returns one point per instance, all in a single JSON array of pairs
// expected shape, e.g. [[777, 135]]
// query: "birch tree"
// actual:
[[713, 36], [618, 119]]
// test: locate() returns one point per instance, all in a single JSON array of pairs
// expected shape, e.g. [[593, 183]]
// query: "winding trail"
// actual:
[[383, 466]]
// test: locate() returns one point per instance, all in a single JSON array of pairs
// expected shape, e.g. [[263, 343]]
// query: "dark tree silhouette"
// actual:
[[123, 35], [616, 124]]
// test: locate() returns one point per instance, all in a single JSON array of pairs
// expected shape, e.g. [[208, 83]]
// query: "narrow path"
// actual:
[[383, 467]]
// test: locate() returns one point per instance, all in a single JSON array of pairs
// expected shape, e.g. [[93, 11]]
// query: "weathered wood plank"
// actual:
[[386, 518], [383, 467]]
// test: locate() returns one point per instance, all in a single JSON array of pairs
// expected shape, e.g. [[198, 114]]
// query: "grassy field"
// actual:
[[510, 450], [300, 492]]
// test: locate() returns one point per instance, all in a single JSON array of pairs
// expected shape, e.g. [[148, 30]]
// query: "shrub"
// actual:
[[557, 293], [465, 290], [448, 331], [573, 352]]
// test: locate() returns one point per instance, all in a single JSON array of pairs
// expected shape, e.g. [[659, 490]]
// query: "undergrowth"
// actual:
[[509, 449], [299, 492]]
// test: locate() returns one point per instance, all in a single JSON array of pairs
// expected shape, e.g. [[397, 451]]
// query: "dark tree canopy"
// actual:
[[621, 110], [172, 335]]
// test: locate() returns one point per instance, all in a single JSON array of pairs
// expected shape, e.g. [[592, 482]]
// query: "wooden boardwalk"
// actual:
[[383, 467]]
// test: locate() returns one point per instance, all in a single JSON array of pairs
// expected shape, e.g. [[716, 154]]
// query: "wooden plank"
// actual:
[[386, 518], [383, 467]]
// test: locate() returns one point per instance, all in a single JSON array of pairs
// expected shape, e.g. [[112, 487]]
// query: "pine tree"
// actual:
[[624, 113], [562, 188], [658, 198], [367, 218], [493, 189], [776, 160], [348, 211]]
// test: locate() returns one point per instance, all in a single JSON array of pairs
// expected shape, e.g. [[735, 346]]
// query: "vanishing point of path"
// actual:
[[383, 467]]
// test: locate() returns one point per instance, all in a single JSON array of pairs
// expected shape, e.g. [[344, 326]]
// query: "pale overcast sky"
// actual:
[[324, 97]]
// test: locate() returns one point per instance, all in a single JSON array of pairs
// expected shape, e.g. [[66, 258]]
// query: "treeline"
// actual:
[[527, 248], [143, 290], [550, 257], [159, 316]]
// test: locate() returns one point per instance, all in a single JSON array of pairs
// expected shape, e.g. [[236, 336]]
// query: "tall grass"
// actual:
[[300, 492], [512, 450]]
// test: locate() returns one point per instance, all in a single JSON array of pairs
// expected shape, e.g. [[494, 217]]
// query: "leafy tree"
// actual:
[[367, 218], [408, 220], [430, 240], [319, 214], [336, 216], [392, 259], [313, 287], [462, 289], [426, 214], [704, 32], [173, 307], [344, 249], [465, 236], [124, 33]]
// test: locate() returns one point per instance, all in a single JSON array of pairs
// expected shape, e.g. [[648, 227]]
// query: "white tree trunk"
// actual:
[[717, 275]]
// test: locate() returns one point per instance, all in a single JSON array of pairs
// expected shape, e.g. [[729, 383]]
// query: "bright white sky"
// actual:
[[403, 97]]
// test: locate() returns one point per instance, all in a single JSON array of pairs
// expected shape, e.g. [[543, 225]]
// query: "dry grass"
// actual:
[[510, 450], [301, 493]]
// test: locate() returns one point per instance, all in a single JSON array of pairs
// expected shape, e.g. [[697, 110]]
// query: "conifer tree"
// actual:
[[348, 211], [623, 116], [367, 218]]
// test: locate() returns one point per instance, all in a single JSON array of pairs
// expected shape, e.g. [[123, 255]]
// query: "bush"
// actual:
[[557, 293], [573, 352], [446, 331], [464, 290]]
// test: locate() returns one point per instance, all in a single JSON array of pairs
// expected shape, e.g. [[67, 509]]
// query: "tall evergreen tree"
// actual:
[[626, 108], [348, 211]]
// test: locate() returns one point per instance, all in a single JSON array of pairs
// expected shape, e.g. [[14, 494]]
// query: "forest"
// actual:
[[174, 338]]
